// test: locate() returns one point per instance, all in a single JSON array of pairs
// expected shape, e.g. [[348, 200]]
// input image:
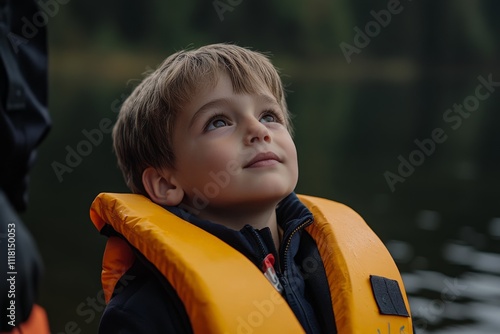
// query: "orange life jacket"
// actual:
[[367, 291]]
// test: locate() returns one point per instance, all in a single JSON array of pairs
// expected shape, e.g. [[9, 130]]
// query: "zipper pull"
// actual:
[[270, 273]]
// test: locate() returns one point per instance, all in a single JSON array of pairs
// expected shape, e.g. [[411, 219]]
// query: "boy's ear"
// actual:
[[162, 187]]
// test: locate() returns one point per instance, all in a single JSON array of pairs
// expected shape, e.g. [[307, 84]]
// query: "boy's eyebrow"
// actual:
[[212, 104], [268, 99]]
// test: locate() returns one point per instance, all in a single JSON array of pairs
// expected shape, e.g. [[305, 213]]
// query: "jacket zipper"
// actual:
[[289, 240], [284, 280], [267, 263], [263, 249]]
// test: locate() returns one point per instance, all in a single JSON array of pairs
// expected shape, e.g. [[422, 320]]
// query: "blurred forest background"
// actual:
[[360, 103]]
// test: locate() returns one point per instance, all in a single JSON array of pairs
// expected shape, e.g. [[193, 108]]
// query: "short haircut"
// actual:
[[142, 135]]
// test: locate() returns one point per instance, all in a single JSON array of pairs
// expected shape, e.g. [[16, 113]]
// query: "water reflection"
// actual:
[[444, 303]]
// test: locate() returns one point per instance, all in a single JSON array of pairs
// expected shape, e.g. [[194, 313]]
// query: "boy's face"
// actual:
[[233, 151]]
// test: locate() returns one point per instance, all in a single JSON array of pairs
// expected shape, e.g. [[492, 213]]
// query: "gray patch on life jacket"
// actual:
[[388, 296]]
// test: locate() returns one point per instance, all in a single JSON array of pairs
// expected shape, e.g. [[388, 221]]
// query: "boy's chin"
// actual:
[[277, 190], [266, 196]]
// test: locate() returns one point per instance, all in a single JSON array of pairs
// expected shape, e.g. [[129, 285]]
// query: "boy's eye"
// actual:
[[270, 117], [215, 123]]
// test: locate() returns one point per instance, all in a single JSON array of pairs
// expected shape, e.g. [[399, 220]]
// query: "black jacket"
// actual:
[[24, 122], [24, 119], [145, 302]]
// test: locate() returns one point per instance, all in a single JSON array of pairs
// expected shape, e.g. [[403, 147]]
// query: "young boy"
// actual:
[[208, 137]]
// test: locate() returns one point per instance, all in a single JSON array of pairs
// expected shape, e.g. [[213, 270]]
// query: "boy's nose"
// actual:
[[257, 132]]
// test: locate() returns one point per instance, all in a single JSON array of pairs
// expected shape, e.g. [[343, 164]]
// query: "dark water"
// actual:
[[463, 296], [442, 223]]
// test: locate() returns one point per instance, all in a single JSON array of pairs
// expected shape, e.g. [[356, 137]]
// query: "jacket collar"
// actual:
[[290, 214]]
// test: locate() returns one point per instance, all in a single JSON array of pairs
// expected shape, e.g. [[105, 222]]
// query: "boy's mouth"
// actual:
[[263, 159]]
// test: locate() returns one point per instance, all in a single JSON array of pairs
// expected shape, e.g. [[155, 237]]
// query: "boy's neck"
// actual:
[[258, 219]]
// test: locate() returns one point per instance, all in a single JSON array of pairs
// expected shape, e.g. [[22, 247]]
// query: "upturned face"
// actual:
[[233, 151]]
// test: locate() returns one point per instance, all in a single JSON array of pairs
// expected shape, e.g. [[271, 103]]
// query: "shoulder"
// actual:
[[143, 303]]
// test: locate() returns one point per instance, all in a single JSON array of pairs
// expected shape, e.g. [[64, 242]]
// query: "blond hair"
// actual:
[[142, 135]]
